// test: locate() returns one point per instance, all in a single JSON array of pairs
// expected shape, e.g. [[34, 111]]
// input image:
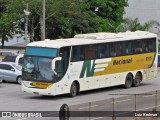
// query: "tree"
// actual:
[[109, 13], [8, 27], [5, 22], [65, 18], [134, 24]]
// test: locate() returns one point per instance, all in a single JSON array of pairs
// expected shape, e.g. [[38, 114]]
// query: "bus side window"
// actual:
[[145, 46], [127, 48], [151, 45], [118, 48], [112, 50], [101, 53], [90, 52], [77, 53], [137, 46]]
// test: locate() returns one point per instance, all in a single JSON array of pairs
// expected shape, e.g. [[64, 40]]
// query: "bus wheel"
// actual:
[[137, 80], [73, 90], [129, 80]]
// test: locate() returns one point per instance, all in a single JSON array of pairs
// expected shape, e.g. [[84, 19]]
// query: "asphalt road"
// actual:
[[12, 99]]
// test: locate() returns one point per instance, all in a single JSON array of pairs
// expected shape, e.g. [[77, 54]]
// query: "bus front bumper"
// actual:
[[50, 91]]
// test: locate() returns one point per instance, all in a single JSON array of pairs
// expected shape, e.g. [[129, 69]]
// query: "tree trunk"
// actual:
[[3, 38], [2, 43], [32, 32], [41, 26]]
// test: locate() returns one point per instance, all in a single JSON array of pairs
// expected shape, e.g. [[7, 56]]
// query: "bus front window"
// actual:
[[30, 65], [38, 69]]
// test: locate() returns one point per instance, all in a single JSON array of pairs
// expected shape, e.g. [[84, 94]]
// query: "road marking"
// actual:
[[22, 119], [88, 107], [147, 108], [122, 101], [96, 118]]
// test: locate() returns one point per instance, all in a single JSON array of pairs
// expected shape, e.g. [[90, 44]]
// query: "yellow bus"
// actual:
[[89, 61]]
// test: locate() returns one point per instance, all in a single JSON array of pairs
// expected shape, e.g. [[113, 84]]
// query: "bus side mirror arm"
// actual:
[[54, 64], [18, 57]]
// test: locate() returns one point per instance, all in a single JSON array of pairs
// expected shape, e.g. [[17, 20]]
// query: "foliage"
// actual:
[[134, 24], [5, 22], [65, 18], [109, 13]]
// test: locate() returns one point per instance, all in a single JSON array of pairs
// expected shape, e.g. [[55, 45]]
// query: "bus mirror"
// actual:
[[18, 57], [54, 64]]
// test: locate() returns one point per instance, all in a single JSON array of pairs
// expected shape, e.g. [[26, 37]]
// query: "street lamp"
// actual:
[[27, 13], [44, 24]]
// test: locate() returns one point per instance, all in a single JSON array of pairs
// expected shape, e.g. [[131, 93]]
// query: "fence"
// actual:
[[131, 106]]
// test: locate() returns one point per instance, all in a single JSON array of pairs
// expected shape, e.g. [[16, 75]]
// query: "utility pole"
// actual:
[[26, 12], [44, 32]]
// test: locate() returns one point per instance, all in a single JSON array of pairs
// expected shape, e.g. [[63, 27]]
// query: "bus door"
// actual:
[[61, 68]]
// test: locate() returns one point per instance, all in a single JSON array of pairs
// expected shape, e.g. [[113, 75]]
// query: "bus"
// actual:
[[89, 61]]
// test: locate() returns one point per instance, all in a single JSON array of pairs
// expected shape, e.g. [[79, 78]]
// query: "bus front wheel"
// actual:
[[128, 81], [73, 90]]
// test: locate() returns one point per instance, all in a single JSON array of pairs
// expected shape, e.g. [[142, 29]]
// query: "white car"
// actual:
[[10, 72]]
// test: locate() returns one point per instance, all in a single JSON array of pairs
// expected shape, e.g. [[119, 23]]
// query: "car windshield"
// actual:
[[19, 67], [38, 69]]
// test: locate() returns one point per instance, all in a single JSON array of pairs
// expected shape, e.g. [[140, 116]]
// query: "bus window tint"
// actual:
[[151, 45], [137, 46], [77, 53], [101, 51], [127, 48], [116, 49], [145, 46], [112, 49], [90, 52]]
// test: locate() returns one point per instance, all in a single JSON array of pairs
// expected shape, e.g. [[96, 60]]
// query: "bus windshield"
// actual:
[[37, 64], [38, 69]]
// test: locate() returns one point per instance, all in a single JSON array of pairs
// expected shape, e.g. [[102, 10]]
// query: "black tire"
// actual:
[[137, 80], [19, 80], [73, 90], [64, 112], [128, 81]]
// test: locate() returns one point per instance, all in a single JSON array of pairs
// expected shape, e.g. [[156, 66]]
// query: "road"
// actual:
[[12, 99]]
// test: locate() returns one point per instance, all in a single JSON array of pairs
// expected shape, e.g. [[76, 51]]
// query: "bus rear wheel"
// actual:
[[128, 81], [73, 90], [137, 80]]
